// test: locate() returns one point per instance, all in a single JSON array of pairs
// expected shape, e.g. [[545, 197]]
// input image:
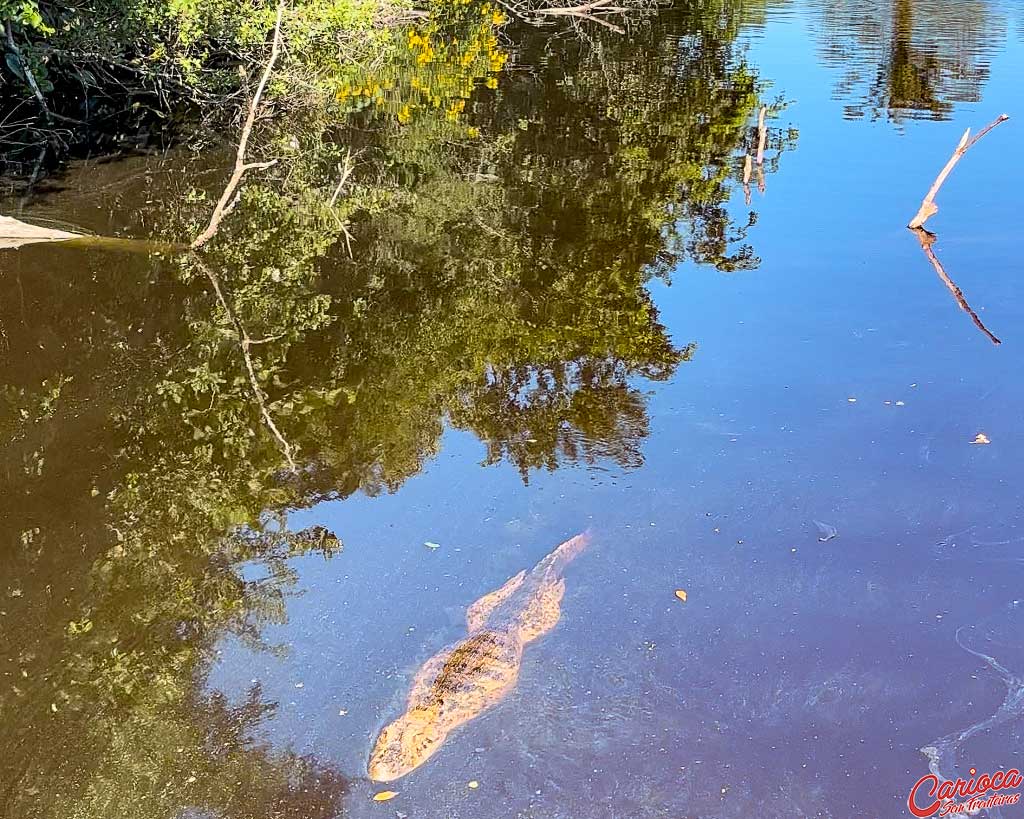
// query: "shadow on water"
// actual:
[[486, 269]]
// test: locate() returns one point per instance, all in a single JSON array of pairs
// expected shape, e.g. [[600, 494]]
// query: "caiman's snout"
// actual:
[[404, 745], [380, 771]]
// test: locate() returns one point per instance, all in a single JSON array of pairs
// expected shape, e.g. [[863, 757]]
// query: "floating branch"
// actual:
[[928, 207], [227, 198], [927, 239]]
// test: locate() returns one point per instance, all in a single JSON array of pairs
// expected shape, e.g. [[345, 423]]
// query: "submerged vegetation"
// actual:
[[442, 237]]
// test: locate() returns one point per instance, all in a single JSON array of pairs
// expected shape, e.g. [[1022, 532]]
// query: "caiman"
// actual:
[[463, 680]]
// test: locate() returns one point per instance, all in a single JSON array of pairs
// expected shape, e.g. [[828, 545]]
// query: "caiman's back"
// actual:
[[462, 681]]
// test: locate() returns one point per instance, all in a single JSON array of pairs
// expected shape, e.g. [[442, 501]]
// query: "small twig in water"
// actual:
[[928, 207]]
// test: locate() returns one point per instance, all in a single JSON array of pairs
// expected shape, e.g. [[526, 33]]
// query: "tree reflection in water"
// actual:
[[486, 266]]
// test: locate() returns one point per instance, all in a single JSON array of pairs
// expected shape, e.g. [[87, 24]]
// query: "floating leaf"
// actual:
[[681, 594], [826, 531], [384, 796]]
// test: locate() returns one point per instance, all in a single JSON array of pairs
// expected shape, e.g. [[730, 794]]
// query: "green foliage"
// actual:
[[24, 13], [191, 50]]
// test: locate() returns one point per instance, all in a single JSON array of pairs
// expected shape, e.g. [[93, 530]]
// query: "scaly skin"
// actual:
[[462, 681]]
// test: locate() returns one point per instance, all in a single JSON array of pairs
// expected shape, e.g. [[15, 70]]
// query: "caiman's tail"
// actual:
[[564, 553]]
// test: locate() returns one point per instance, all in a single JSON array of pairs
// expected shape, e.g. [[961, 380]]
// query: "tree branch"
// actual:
[[928, 207], [584, 11], [222, 208], [583, 8]]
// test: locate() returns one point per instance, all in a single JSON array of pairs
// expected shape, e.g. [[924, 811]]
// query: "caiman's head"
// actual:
[[405, 744]]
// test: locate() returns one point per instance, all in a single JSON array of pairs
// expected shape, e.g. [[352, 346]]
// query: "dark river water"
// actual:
[[558, 307]]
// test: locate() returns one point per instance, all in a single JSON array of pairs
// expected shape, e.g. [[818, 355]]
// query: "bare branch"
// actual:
[[928, 207], [259, 166], [580, 9], [241, 166], [251, 342], [583, 11], [590, 11], [600, 21]]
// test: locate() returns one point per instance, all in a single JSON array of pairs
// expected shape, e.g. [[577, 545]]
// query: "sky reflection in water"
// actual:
[[801, 678]]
